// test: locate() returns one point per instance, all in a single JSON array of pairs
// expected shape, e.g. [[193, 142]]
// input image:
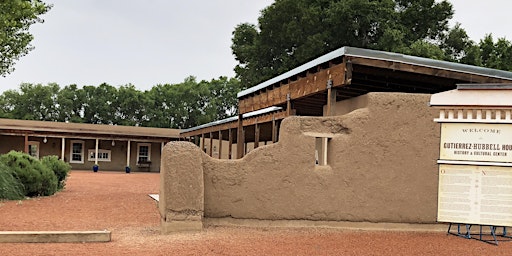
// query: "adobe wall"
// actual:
[[381, 167]]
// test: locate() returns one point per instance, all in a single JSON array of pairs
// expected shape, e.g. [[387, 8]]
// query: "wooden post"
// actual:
[[240, 140], [244, 143], [26, 143], [256, 135], [203, 147], [220, 144], [211, 144], [230, 144], [288, 105], [331, 98], [274, 129]]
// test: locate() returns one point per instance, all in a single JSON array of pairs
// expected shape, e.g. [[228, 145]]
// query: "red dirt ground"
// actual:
[[120, 203]]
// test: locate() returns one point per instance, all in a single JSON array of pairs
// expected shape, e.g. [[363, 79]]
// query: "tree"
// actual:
[[70, 102], [99, 104], [292, 32], [496, 55], [182, 105], [456, 43], [223, 100], [131, 106], [32, 102], [16, 17]]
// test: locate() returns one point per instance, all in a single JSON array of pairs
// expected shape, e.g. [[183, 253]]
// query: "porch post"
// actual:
[[220, 144], [96, 154], [240, 138], [274, 129], [331, 98], [203, 147], [256, 135], [63, 149], [230, 144], [211, 145], [128, 153]]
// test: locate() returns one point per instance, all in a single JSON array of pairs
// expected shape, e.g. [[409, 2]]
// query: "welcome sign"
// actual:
[[476, 142]]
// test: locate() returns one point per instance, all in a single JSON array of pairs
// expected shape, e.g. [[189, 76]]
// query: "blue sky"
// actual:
[[145, 43]]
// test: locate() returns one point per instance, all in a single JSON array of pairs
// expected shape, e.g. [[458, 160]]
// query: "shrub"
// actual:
[[10, 187], [59, 167], [36, 178]]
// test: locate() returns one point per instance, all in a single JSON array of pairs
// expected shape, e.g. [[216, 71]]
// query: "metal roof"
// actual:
[[234, 118], [380, 55]]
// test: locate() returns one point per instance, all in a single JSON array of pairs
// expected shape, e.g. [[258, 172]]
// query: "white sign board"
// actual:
[[476, 142], [475, 195]]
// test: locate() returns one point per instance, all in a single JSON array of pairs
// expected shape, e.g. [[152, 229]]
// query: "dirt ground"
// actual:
[[120, 203]]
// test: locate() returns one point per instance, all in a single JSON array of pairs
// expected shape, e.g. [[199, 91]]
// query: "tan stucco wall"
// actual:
[[181, 203], [8, 143], [382, 167]]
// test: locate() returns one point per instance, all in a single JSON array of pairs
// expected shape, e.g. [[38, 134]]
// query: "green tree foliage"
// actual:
[[16, 17], [70, 104], [191, 103], [496, 54], [182, 105], [131, 106], [99, 104], [32, 102], [291, 32]]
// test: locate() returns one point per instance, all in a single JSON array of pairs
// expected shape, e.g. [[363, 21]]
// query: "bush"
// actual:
[[59, 167], [10, 187], [37, 179]]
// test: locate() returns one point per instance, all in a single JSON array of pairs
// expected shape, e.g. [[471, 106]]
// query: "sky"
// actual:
[[145, 43]]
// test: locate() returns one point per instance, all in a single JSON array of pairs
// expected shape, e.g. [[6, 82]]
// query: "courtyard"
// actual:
[[119, 202]]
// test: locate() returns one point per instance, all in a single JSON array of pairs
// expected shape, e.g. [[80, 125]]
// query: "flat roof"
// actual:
[[380, 55], [490, 95], [97, 129]]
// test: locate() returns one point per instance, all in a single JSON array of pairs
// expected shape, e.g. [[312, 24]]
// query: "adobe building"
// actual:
[[115, 146], [350, 138]]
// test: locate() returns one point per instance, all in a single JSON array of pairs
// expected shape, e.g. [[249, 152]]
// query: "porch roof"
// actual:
[[61, 129], [382, 56]]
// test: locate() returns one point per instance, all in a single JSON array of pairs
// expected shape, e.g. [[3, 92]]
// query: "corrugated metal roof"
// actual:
[[380, 55], [234, 118]]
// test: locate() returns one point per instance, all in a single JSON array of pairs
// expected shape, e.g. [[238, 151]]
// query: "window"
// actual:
[[33, 148], [143, 152], [321, 148], [103, 155], [77, 151]]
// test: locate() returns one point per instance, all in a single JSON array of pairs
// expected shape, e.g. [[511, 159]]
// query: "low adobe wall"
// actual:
[[381, 168]]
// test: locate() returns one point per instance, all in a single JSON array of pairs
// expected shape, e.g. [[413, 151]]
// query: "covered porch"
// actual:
[[84, 146]]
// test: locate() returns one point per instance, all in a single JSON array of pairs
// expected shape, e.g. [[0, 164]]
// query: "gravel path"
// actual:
[[119, 202]]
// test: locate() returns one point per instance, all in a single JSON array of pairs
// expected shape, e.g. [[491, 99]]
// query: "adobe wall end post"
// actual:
[[181, 202]]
